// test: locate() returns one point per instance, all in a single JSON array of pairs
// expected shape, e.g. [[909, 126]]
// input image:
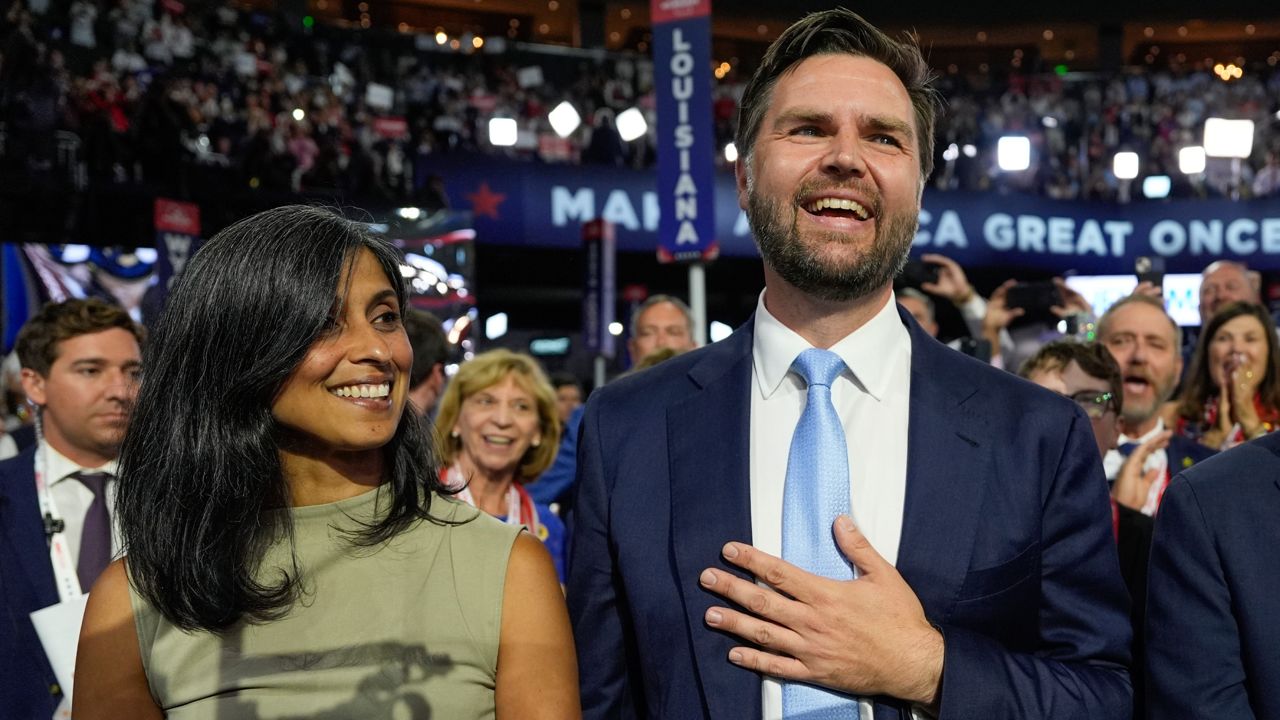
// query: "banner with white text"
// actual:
[[544, 205], [686, 146]]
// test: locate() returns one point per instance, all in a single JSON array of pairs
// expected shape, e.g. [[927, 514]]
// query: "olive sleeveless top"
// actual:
[[407, 629]]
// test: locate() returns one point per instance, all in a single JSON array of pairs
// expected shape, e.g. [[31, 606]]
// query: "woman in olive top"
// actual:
[[290, 550]]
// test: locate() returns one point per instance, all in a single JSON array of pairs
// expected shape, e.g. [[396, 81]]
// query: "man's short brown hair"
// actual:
[[1093, 358], [55, 322], [841, 32]]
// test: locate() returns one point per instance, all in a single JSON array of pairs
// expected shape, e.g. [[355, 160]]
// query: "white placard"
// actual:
[[529, 77], [379, 96], [58, 627]]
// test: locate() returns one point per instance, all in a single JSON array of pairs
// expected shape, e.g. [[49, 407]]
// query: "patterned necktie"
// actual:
[[95, 537], [816, 492]]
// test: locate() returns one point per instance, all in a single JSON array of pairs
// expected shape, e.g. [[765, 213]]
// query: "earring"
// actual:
[[537, 442], [455, 434]]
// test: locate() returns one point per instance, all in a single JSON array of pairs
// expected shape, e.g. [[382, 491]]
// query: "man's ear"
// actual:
[[33, 384], [741, 172]]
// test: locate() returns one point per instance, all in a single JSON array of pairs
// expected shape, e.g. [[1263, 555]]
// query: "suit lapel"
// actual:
[[24, 529], [708, 437], [947, 468]]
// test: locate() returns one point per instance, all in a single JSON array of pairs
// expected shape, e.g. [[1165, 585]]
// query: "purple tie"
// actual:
[[95, 538]]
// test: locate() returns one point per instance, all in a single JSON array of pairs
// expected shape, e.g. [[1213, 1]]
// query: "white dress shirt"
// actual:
[[1158, 459], [72, 498], [872, 398]]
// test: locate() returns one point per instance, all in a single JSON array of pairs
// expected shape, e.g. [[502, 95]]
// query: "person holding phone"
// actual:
[[1016, 303]]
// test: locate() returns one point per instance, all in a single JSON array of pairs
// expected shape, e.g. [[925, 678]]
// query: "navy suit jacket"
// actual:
[[1006, 540], [28, 688], [1213, 598]]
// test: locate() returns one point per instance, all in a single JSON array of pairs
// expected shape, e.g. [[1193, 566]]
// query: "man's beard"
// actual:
[[1133, 416], [799, 263]]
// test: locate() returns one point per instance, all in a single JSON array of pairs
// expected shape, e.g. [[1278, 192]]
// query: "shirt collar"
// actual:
[[869, 352], [60, 466], [1159, 428]]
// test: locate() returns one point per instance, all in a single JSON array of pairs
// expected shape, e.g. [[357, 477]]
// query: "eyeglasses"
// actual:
[[1096, 404]]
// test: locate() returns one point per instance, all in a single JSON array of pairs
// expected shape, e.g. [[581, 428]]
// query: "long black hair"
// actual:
[[200, 467]]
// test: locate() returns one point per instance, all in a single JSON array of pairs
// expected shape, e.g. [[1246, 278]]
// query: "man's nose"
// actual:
[[121, 385], [844, 155]]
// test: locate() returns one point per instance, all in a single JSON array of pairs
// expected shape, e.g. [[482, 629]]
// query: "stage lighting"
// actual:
[[1156, 187], [495, 326], [631, 124], [970, 151], [1013, 153], [615, 328], [409, 213], [503, 132], [299, 114], [951, 153], [730, 153], [1125, 165], [564, 119], [1228, 138], [719, 331], [1191, 160]]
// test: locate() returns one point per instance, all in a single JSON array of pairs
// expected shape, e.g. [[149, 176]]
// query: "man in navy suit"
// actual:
[[976, 515], [1213, 599], [80, 360]]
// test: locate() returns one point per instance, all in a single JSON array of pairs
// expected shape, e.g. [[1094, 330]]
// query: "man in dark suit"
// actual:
[[987, 582], [1213, 599], [80, 360]]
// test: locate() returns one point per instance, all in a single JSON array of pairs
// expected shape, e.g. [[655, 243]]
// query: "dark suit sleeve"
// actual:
[[595, 597], [1077, 666], [558, 479], [1194, 667]]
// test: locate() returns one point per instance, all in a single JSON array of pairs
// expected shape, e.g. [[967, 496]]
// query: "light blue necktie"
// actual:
[[816, 492]]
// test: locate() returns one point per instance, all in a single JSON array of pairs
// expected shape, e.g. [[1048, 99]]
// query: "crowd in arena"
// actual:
[[132, 84], [301, 501]]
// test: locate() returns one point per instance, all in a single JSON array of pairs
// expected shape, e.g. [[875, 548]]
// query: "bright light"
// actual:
[[503, 132], [299, 114], [951, 153], [615, 328], [1125, 165], [495, 326], [1191, 160], [1228, 138], [730, 153], [631, 124], [441, 38], [1013, 153], [147, 255], [1228, 72], [719, 331], [970, 151], [564, 119], [409, 213], [477, 42], [459, 327], [1050, 121], [1156, 187], [75, 253]]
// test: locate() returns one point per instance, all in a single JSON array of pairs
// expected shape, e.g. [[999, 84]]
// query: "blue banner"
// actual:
[[1097, 238], [686, 145], [534, 204]]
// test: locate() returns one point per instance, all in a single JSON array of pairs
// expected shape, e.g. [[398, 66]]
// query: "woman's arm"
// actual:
[[537, 668], [110, 681]]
